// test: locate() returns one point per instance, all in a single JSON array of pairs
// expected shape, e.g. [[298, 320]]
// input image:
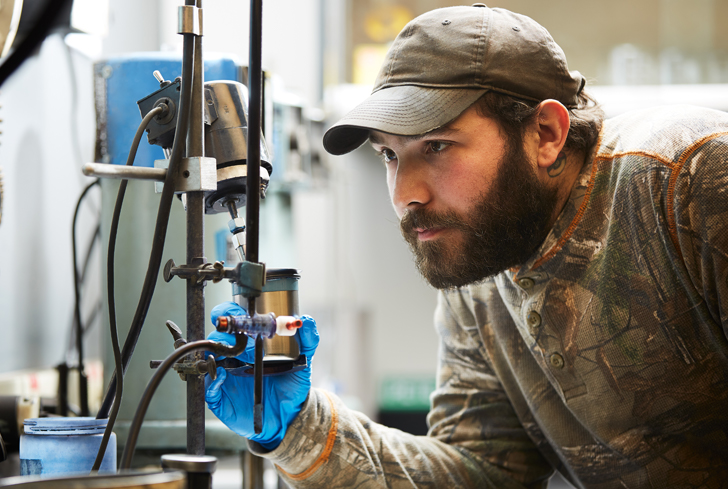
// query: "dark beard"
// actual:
[[506, 227]]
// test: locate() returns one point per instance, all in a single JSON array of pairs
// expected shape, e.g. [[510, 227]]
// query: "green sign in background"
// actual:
[[406, 393]]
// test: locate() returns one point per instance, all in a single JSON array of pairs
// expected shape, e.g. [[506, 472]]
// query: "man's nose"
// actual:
[[410, 188]]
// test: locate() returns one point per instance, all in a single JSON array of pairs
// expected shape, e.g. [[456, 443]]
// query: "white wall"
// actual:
[[291, 37], [47, 134]]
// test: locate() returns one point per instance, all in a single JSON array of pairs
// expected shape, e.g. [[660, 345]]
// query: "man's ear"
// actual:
[[553, 126]]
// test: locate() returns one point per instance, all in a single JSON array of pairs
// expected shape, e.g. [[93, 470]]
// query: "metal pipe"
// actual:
[[196, 256], [253, 182], [124, 172]]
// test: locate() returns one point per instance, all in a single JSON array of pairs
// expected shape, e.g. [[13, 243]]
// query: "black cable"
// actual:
[[160, 230], [89, 248], [82, 279], [241, 341], [82, 382], [35, 37], [110, 285]]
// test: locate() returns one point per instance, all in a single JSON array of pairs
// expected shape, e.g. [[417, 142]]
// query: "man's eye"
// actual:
[[436, 146], [387, 155]]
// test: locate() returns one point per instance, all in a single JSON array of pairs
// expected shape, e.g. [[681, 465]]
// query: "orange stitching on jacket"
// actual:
[[575, 222], [656, 156], [671, 222], [324, 457]]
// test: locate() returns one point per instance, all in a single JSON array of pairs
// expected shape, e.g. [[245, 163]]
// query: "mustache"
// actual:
[[427, 219]]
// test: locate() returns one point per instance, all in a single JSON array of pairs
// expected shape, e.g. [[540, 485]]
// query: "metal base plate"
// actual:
[[242, 369]]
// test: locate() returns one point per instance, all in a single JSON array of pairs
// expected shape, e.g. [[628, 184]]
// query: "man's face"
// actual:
[[469, 201]]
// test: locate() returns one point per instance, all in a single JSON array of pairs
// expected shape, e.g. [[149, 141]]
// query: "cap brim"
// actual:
[[403, 110]]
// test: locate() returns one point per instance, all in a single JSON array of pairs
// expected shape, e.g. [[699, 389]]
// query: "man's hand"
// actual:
[[230, 397]]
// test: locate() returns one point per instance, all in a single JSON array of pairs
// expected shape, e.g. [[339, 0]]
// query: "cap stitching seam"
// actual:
[[480, 50], [395, 55], [480, 78]]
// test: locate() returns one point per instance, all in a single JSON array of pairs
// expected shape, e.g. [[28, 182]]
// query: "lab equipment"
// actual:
[[216, 162], [229, 396]]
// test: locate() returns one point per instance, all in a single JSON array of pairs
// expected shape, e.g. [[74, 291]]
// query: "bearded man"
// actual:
[[583, 268]]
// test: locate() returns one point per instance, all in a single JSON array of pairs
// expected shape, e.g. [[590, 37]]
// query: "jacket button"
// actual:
[[534, 321], [526, 283], [557, 361]]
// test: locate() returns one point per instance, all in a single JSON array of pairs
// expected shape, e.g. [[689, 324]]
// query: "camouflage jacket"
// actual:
[[605, 356]]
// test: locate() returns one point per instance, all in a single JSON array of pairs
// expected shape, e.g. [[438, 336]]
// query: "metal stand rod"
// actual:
[[253, 471], [196, 256], [258, 385], [253, 182], [195, 325]]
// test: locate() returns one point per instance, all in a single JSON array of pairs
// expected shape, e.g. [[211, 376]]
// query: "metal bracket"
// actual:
[[250, 278], [189, 20], [195, 175]]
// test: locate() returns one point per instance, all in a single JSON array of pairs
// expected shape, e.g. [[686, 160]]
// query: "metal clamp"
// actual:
[[195, 175], [186, 367], [189, 20], [199, 274], [250, 278]]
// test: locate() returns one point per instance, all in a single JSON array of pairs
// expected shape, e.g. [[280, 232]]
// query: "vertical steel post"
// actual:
[[196, 256], [255, 80], [253, 470]]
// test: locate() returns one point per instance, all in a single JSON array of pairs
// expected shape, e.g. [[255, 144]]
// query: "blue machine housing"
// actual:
[[128, 79]]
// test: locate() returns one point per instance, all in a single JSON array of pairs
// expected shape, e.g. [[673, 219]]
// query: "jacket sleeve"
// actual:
[[475, 439]]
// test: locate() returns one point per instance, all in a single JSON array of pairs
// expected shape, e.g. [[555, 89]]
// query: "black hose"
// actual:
[[110, 285], [89, 248], [241, 341], [82, 381], [82, 279], [35, 37], [160, 230]]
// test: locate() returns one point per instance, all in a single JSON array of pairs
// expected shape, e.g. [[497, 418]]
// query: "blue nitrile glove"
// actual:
[[230, 397]]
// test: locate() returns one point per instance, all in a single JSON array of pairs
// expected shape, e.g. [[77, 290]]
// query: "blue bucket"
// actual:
[[64, 445]]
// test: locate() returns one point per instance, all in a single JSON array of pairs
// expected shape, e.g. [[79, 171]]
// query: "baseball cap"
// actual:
[[445, 60]]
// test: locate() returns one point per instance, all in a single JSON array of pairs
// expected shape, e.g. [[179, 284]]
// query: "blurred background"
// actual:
[[328, 216]]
